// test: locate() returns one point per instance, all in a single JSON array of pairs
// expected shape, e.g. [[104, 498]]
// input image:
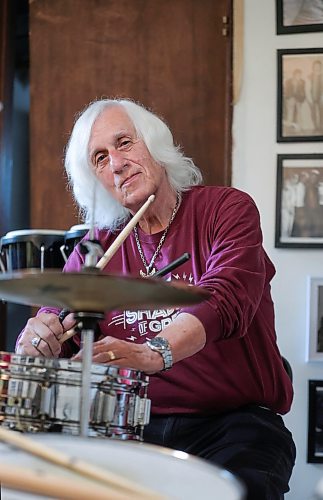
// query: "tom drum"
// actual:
[[32, 248], [72, 237], [173, 474]]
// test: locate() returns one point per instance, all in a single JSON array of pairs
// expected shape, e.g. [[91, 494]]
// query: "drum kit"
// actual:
[[60, 403]]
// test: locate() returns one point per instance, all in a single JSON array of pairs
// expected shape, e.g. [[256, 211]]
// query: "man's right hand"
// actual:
[[41, 335]]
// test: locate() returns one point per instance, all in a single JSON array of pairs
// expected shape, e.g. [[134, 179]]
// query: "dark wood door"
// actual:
[[6, 96], [171, 55], [6, 91]]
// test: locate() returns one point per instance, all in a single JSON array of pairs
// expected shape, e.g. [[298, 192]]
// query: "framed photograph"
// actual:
[[315, 422], [299, 201], [299, 16], [315, 319], [300, 95]]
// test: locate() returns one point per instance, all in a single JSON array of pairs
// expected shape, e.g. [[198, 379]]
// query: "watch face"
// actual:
[[161, 345], [159, 342]]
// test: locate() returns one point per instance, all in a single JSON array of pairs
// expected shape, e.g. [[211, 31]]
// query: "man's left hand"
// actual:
[[111, 351]]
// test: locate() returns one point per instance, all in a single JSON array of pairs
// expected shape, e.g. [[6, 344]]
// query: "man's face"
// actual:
[[121, 160]]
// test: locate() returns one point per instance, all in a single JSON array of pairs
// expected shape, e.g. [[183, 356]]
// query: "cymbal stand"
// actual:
[[89, 321], [92, 250]]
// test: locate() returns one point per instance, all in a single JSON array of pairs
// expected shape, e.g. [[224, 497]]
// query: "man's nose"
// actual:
[[117, 161]]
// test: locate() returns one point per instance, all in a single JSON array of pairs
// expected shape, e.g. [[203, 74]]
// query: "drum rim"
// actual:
[[67, 365], [33, 232], [78, 227], [35, 236], [72, 235]]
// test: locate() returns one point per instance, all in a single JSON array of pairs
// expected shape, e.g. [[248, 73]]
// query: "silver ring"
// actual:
[[35, 341]]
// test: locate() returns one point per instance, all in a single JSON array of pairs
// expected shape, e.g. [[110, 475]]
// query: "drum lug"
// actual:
[[109, 404], [103, 407], [142, 411], [45, 400]]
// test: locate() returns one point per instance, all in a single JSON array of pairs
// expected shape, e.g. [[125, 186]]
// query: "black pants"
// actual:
[[251, 442]]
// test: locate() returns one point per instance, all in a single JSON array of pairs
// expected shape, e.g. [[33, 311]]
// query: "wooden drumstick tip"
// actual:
[[124, 233]]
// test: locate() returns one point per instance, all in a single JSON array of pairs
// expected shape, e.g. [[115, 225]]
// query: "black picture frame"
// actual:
[[315, 422], [299, 95], [314, 319], [299, 201], [291, 22]]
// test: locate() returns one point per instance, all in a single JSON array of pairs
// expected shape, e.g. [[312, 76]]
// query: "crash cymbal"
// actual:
[[94, 291]]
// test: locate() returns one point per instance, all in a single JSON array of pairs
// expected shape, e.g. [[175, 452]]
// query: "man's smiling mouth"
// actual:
[[129, 179]]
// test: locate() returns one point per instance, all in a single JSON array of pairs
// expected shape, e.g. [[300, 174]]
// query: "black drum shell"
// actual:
[[73, 236], [32, 249]]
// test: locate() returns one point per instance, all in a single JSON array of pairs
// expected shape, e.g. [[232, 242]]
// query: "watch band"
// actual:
[[161, 345]]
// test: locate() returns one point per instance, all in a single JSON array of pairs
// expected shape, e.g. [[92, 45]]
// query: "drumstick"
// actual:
[[112, 250], [172, 265], [76, 465], [67, 335], [110, 253], [52, 485], [124, 233]]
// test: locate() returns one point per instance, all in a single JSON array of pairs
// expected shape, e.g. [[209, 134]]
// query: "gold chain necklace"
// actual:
[[150, 270]]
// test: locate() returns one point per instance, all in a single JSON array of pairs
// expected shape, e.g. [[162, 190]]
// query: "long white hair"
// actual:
[[106, 212]]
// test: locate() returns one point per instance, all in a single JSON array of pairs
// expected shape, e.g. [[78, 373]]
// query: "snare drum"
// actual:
[[170, 473], [32, 248], [44, 395], [72, 237]]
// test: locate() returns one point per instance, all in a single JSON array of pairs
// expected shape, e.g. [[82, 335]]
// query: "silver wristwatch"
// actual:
[[161, 345]]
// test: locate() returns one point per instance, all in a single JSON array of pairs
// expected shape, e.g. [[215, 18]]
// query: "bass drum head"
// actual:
[[171, 473]]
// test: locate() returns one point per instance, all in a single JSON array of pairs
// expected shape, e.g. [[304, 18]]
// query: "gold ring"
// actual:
[[112, 356]]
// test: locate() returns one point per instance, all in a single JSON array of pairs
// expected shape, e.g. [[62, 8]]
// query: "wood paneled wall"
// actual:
[[171, 55]]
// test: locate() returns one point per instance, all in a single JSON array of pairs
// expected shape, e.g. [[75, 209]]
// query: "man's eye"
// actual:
[[124, 143], [100, 159]]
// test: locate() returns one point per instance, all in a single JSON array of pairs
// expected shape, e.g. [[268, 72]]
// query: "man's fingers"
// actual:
[[69, 322]]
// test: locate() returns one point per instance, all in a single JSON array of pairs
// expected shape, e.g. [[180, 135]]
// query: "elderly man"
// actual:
[[218, 383]]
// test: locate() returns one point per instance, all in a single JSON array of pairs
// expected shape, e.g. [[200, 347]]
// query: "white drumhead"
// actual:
[[80, 227], [174, 474], [32, 232]]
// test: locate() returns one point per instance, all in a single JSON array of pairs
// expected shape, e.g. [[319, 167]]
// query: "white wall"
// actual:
[[254, 171]]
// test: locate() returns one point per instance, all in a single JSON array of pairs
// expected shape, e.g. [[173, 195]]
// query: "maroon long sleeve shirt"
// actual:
[[240, 363]]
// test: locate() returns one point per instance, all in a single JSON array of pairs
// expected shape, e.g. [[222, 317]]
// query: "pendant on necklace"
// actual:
[[148, 273]]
